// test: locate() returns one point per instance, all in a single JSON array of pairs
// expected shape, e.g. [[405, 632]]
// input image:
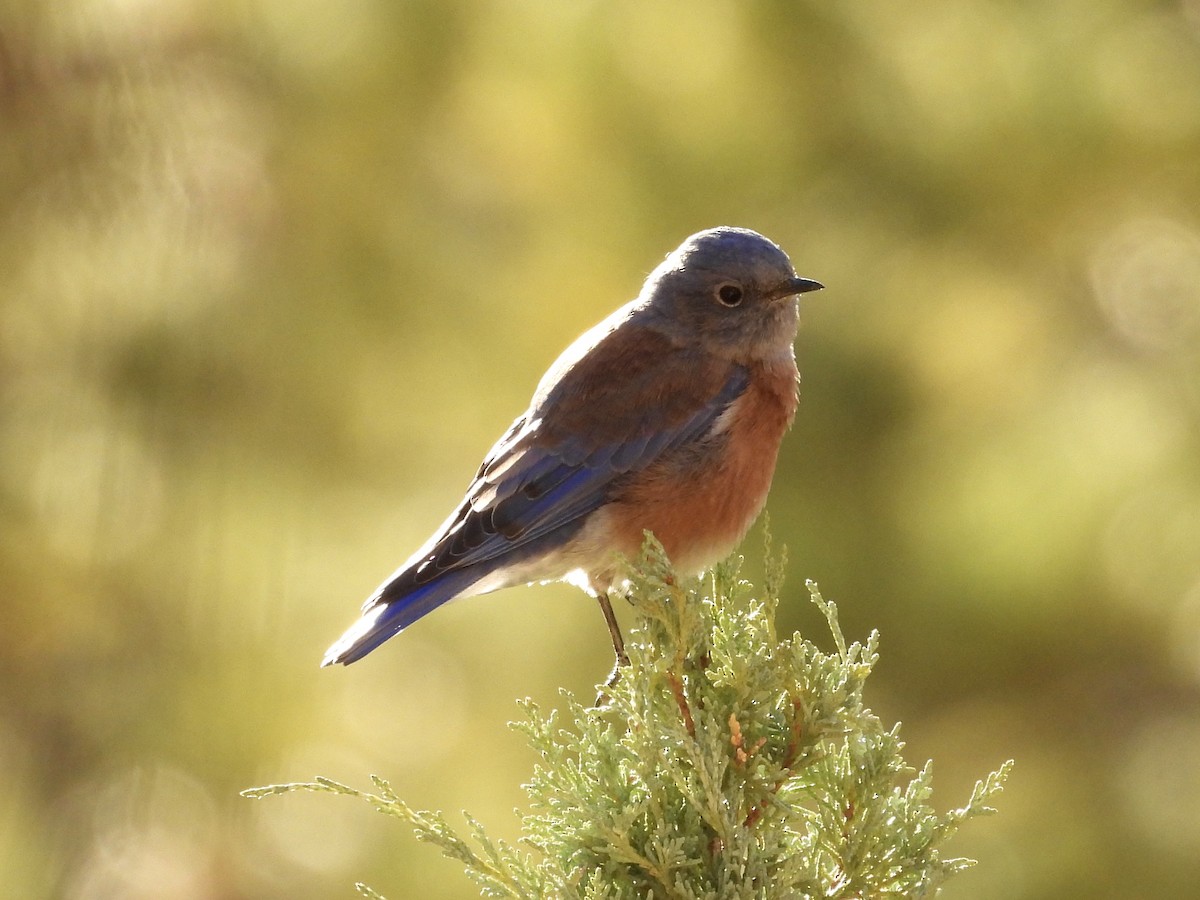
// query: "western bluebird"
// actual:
[[666, 417]]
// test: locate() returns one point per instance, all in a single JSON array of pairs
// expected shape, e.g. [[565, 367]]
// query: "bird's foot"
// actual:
[[614, 676]]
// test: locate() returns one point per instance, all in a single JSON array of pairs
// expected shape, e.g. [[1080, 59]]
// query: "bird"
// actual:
[[666, 417]]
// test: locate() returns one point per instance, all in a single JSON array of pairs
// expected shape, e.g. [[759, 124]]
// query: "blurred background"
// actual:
[[274, 275]]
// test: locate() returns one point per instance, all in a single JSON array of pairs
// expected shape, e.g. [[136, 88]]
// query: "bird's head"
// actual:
[[732, 290]]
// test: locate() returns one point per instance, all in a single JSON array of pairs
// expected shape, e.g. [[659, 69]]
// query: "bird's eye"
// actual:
[[729, 294]]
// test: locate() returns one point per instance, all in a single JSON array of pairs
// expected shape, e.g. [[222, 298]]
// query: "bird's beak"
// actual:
[[797, 285], [803, 285]]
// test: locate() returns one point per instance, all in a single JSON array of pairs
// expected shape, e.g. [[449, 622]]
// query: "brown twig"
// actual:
[[681, 700], [789, 759]]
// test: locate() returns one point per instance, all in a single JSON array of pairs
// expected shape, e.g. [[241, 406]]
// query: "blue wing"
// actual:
[[609, 415]]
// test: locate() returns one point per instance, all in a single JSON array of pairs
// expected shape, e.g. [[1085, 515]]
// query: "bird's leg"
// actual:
[[618, 642]]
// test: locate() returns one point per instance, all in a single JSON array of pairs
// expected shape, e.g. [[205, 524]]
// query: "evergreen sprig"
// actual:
[[726, 764]]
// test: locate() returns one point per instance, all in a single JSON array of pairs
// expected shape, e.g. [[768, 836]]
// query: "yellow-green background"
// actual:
[[273, 276]]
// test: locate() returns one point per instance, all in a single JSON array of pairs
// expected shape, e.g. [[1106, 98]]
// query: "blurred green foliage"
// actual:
[[273, 276]]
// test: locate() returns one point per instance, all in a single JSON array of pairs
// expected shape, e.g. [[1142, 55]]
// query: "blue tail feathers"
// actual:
[[387, 618]]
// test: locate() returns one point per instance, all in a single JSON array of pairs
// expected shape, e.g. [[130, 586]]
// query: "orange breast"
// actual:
[[700, 504]]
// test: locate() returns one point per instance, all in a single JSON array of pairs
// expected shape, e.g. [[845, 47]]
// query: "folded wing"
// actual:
[[632, 398]]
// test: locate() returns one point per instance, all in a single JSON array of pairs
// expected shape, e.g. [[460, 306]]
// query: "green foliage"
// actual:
[[726, 763]]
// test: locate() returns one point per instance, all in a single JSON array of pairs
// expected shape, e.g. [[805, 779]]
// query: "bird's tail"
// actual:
[[385, 616]]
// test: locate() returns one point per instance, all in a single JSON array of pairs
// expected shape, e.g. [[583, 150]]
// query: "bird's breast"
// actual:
[[700, 500]]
